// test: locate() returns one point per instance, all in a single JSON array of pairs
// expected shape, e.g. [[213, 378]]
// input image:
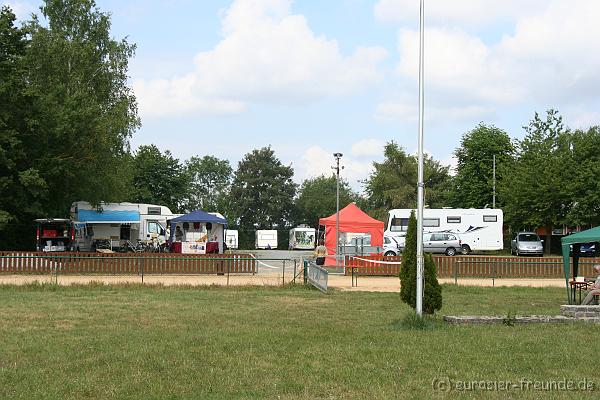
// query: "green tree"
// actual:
[[473, 182], [393, 183], [83, 110], [263, 191], [317, 199], [534, 190], [210, 181], [158, 179], [583, 170], [20, 182], [432, 291]]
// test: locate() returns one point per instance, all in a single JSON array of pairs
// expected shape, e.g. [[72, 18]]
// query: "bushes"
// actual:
[[432, 291]]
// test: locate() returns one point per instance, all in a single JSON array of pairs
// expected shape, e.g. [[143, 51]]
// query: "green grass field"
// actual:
[[291, 343]]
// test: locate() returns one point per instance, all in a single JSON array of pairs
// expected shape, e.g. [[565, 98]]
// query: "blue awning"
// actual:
[[112, 217]]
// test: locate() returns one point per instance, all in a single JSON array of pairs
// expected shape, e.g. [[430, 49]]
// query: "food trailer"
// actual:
[[197, 233]]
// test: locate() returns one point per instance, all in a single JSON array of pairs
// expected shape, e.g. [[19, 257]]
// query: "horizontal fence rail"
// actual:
[[125, 264], [474, 266]]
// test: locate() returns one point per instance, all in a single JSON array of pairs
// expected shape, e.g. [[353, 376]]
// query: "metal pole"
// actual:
[[494, 188], [419, 302], [337, 208]]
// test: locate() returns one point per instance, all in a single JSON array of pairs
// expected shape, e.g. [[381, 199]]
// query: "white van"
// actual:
[[266, 239], [231, 238], [59, 234]]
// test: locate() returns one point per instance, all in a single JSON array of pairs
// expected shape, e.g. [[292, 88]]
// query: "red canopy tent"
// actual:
[[352, 219]]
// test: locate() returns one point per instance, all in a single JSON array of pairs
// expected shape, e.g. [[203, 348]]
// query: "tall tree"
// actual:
[[534, 190], [158, 179], [393, 183], [85, 111], [473, 182], [263, 190], [20, 182], [583, 169], [210, 181], [317, 199]]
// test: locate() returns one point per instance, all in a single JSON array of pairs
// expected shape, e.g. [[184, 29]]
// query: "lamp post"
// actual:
[[420, 184], [337, 206]]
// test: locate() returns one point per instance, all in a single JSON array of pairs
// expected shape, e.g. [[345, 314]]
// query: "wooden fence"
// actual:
[[125, 264], [475, 266]]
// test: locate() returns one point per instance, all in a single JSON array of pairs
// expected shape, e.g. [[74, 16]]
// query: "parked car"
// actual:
[[390, 246], [585, 250], [527, 243], [439, 242]]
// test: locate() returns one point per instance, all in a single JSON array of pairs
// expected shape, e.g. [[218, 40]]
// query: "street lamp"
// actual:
[[337, 206]]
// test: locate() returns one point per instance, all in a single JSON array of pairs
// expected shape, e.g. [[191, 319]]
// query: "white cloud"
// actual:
[[471, 12], [550, 59], [367, 148], [267, 55]]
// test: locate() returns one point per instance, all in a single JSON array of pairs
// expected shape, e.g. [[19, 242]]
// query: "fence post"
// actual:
[[294, 281], [142, 268], [304, 272], [455, 268], [283, 272], [228, 273]]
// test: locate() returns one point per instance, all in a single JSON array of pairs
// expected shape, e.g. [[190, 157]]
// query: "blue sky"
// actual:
[[311, 78]]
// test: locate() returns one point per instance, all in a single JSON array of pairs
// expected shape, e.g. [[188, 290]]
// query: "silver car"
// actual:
[[439, 242], [527, 243]]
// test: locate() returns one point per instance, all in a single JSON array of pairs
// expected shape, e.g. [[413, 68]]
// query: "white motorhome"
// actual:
[[231, 238], [117, 223], [479, 229], [266, 239], [302, 238]]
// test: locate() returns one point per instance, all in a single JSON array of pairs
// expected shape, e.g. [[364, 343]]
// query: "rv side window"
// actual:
[[431, 222], [453, 220], [154, 211], [399, 225], [490, 218]]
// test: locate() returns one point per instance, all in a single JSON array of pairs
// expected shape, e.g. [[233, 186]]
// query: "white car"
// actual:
[[390, 246]]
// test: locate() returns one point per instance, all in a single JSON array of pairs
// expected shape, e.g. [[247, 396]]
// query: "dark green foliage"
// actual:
[[432, 291], [263, 191], [473, 183], [535, 189], [317, 199], [393, 184], [210, 180], [408, 269], [158, 179]]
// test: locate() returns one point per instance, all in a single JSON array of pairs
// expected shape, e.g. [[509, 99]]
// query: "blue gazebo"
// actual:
[[200, 221]]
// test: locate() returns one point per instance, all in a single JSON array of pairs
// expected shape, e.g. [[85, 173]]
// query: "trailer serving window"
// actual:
[[453, 220], [490, 218]]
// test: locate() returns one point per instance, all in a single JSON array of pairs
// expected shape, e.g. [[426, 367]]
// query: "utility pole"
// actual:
[[337, 207], [494, 188]]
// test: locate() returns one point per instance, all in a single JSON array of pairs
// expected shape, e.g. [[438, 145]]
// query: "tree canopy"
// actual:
[[473, 182], [263, 191], [210, 180]]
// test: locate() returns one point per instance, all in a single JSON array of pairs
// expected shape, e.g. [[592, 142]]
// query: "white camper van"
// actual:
[[266, 239], [231, 238], [302, 238], [479, 229], [117, 223]]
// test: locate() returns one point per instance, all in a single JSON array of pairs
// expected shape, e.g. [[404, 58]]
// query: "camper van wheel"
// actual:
[[465, 249], [450, 251]]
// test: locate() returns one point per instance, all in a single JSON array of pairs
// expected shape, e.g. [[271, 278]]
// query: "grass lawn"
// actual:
[[291, 343]]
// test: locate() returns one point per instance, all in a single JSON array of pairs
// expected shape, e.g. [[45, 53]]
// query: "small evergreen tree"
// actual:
[[408, 268], [432, 291]]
